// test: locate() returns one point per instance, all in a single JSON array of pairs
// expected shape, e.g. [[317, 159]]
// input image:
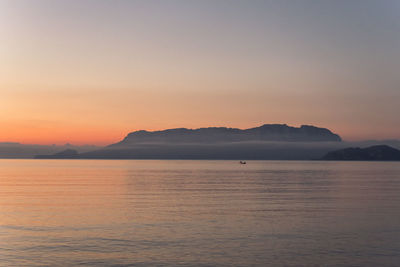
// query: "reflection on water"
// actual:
[[199, 213]]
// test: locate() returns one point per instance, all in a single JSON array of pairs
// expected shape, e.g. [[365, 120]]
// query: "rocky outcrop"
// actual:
[[373, 153], [266, 132]]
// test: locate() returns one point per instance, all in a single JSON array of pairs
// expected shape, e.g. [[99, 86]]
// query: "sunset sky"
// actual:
[[89, 72]]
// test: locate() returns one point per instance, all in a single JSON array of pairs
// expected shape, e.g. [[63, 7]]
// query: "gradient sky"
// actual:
[[89, 72]]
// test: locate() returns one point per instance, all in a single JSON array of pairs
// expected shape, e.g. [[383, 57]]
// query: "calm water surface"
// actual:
[[199, 213]]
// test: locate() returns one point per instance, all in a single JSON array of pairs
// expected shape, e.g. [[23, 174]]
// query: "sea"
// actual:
[[199, 213]]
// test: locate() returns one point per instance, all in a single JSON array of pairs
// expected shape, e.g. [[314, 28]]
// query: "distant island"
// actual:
[[266, 142], [14, 150], [266, 132], [269, 141], [373, 153]]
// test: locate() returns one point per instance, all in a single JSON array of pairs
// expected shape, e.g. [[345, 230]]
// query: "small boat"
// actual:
[[242, 162]]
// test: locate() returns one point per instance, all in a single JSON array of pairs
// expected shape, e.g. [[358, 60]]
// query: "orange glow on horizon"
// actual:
[[105, 136]]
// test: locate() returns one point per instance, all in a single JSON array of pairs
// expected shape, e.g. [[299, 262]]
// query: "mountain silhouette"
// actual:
[[266, 132], [373, 153], [65, 154], [270, 141]]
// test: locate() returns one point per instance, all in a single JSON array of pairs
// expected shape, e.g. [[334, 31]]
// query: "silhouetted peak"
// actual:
[[378, 152], [67, 152], [266, 132]]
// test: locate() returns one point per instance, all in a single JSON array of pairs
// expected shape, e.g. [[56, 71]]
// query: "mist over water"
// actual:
[[199, 213]]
